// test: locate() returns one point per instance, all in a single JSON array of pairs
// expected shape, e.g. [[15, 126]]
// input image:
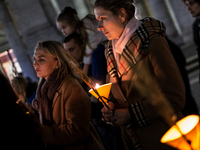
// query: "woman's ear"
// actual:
[[57, 64], [83, 49], [123, 14]]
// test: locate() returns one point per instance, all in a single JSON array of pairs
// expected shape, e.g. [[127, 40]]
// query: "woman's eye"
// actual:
[[71, 49], [190, 3], [41, 60]]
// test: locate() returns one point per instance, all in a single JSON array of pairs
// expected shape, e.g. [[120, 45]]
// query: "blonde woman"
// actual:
[[64, 107]]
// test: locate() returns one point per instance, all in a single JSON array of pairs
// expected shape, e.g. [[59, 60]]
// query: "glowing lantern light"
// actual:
[[185, 135]]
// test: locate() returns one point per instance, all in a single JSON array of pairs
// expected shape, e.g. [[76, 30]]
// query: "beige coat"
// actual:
[[71, 112], [161, 66]]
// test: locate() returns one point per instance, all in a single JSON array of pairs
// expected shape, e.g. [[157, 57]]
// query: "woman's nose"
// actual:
[[62, 30], [189, 8], [35, 63], [100, 26]]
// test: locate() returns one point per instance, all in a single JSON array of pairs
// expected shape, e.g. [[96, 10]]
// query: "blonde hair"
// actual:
[[57, 51], [20, 85]]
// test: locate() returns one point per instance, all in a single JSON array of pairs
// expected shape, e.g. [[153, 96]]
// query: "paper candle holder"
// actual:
[[189, 138], [103, 90]]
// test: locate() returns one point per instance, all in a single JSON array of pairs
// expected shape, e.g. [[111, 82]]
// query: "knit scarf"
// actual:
[[136, 47], [44, 97]]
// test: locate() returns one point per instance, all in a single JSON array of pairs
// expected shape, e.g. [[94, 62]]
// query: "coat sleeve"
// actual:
[[170, 83], [35, 104], [75, 117]]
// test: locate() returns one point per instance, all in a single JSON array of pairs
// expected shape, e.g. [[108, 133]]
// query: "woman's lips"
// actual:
[[37, 70], [105, 33]]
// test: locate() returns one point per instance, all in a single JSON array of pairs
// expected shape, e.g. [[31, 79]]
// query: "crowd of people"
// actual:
[[111, 46]]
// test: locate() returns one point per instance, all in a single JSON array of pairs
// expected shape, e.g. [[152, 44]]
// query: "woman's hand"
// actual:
[[121, 116], [115, 116], [108, 114]]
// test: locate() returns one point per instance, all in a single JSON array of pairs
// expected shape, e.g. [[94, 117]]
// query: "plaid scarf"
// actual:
[[136, 48]]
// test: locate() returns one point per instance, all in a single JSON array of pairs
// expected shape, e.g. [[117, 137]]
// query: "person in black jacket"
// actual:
[[190, 104], [194, 8]]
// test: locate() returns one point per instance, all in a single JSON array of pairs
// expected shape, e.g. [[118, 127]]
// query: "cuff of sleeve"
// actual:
[[138, 115], [87, 60], [35, 104]]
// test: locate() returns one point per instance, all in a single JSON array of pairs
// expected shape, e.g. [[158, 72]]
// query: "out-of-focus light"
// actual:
[[185, 135]]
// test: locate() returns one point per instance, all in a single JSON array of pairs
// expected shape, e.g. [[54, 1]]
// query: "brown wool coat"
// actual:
[[71, 112], [161, 66]]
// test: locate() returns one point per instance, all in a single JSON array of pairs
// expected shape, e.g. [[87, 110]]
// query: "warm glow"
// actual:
[[190, 128], [188, 123], [97, 86], [103, 90]]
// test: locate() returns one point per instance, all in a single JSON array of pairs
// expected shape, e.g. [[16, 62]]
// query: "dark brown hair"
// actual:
[[70, 16], [76, 38], [197, 1], [115, 5]]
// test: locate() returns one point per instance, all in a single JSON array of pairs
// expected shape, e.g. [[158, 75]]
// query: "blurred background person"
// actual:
[[68, 22], [75, 46], [25, 91], [20, 128], [190, 104], [194, 8], [64, 107], [19, 85]]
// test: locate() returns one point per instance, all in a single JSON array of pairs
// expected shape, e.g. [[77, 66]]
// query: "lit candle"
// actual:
[[96, 86], [103, 90]]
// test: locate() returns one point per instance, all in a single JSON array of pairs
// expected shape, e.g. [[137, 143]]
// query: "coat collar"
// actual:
[[135, 49], [57, 94]]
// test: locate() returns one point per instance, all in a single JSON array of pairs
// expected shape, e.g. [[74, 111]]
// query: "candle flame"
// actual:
[[97, 86]]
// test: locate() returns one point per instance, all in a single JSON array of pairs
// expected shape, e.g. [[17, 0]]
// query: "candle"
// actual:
[[103, 90]]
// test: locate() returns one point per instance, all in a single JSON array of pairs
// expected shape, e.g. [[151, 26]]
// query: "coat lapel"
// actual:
[[135, 49], [58, 94], [137, 46], [111, 63]]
